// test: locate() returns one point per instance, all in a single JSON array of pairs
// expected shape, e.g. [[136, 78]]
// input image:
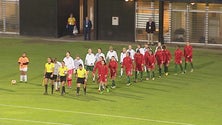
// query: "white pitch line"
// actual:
[[32, 121], [95, 114]]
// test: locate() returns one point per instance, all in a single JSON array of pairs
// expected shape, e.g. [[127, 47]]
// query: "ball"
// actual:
[[13, 82]]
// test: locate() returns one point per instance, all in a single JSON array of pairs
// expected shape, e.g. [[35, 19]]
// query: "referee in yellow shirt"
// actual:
[[62, 76], [81, 75], [48, 74]]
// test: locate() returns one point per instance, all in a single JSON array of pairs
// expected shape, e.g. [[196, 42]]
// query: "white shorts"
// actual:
[[23, 69]]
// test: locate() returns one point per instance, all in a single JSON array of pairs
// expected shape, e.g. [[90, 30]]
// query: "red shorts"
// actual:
[[188, 59], [112, 73], [129, 72], [139, 68], [150, 67], [178, 62], [102, 78], [159, 62]]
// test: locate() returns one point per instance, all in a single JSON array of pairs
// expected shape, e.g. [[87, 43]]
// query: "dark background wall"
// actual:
[[46, 17], [119, 8], [38, 17]]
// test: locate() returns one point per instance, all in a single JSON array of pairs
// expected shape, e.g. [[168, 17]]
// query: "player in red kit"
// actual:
[[178, 54], [151, 60], [159, 59], [166, 59], [97, 65], [128, 67], [103, 73], [146, 56], [188, 54], [113, 65], [139, 62]]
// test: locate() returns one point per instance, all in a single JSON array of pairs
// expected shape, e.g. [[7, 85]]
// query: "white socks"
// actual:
[[121, 72], [23, 78]]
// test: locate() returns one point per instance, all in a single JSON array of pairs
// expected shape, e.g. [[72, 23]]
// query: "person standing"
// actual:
[[150, 64], [188, 54], [111, 53], [71, 22], [159, 59], [178, 54], [89, 62], [57, 65], [69, 63], [77, 62], [128, 67], [87, 28], [166, 59], [131, 51], [48, 75], [81, 75], [23, 62], [150, 29], [113, 65], [63, 70], [139, 63], [103, 74], [122, 56], [99, 54]]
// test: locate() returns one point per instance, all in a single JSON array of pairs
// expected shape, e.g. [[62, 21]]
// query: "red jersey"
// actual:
[[103, 70], [178, 54], [146, 56], [166, 56], [159, 56], [138, 58], [188, 51], [151, 62], [113, 65], [127, 63], [97, 66]]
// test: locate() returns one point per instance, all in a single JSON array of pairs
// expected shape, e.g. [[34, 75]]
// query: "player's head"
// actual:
[[80, 66], [113, 58], [138, 51], [130, 47], [103, 62], [68, 54], [164, 47], [77, 57], [99, 50], [177, 46], [138, 46], [124, 50], [55, 60], [49, 60], [151, 52], [24, 54], [89, 50], [110, 48], [71, 15], [128, 54], [159, 48], [187, 43], [159, 44], [63, 63]]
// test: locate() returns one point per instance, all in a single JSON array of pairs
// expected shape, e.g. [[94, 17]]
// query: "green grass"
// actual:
[[192, 98]]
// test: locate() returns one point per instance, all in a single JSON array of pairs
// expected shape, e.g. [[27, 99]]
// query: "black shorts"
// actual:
[[80, 80], [54, 77], [62, 78], [48, 75]]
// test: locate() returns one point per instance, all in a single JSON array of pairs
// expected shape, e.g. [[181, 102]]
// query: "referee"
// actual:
[[81, 75]]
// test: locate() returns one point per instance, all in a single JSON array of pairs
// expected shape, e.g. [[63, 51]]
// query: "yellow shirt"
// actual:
[[23, 60], [81, 73], [63, 71], [71, 21], [49, 67]]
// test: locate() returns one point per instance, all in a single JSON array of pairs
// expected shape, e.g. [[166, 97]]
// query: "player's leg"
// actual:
[[160, 69], [121, 71], [176, 69], [78, 88], [46, 84], [166, 69], [191, 64], [84, 87]]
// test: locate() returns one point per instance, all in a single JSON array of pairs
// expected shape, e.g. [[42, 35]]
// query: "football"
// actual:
[[13, 82]]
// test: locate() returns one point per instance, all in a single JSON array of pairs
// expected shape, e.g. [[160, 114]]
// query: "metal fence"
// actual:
[[9, 16]]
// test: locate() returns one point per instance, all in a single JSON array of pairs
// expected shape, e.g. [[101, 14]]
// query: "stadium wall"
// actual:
[[124, 11]]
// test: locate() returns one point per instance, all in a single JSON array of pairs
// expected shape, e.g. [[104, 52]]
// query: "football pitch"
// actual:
[[186, 99]]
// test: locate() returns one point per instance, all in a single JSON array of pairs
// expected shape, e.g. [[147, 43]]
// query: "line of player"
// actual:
[[142, 59]]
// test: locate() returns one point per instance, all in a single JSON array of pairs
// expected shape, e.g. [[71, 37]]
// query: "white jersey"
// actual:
[[69, 62], [56, 68], [122, 56], [77, 62], [90, 59], [132, 53], [110, 54], [141, 50], [98, 55]]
